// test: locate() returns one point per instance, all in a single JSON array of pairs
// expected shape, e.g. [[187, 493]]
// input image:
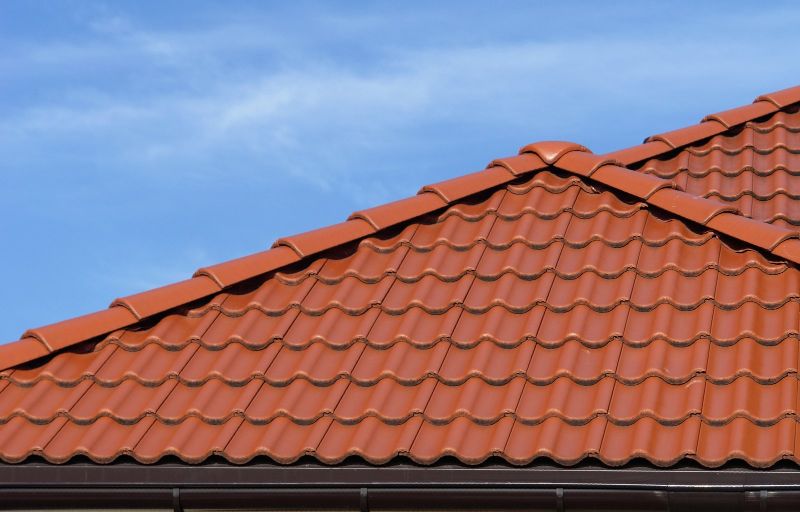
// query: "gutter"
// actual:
[[362, 487]]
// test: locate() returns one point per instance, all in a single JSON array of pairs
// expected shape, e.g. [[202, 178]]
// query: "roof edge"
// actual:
[[206, 281], [710, 125], [400, 473], [609, 169]]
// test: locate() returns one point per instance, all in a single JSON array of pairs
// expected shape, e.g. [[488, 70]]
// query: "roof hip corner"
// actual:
[[550, 151]]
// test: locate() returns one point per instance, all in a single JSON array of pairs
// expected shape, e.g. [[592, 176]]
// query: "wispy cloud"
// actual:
[[320, 105], [221, 128]]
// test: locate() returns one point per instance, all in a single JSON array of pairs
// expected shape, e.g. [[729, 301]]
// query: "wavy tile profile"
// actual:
[[559, 304]]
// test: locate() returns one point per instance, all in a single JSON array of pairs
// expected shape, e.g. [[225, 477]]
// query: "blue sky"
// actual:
[[141, 140]]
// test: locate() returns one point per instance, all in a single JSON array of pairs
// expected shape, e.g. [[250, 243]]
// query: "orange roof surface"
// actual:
[[559, 304]]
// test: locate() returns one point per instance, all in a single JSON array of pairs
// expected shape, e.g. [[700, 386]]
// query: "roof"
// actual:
[[558, 304]]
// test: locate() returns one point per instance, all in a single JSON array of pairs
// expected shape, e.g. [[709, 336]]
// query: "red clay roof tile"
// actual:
[[661, 444], [638, 185], [684, 136], [743, 439], [381, 217], [458, 188], [75, 330], [566, 444], [162, 299], [240, 269], [551, 151], [317, 240], [23, 351], [519, 164], [741, 115], [640, 153], [571, 310], [584, 163], [782, 98]]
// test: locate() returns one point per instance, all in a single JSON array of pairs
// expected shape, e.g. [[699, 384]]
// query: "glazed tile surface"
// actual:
[[547, 317]]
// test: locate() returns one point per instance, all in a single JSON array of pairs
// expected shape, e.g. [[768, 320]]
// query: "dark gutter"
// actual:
[[358, 486]]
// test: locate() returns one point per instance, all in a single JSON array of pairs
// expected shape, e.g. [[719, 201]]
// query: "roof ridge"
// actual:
[[711, 125], [668, 196], [610, 169], [206, 281]]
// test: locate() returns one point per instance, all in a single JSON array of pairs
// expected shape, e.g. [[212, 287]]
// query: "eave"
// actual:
[[359, 486]]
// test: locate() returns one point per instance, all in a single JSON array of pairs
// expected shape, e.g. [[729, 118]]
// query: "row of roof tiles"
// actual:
[[438, 402], [754, 170], [406, 364], [609, 170], [424, 442]]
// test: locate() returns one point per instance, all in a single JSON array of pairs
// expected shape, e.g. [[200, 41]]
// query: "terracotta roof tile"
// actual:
[[665, 359], [763, 363], [661, 444], [688, 135], [319, 239], [743, 439], [558, 304], [782, 98], [741, 115], [566, 444]]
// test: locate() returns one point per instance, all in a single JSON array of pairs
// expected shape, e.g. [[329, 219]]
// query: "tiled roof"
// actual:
[[753, 168], [558, 304]]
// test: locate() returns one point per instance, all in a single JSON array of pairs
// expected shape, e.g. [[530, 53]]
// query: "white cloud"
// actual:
[[311, 119]]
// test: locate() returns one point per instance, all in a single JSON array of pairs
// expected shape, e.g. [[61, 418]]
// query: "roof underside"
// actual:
[[554, 315]]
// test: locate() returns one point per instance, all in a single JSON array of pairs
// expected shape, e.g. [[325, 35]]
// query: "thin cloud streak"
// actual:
[[222, 129], [292, 115]]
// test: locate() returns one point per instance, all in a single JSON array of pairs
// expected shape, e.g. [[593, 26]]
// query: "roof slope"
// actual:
[[557, 304], [755, 168]]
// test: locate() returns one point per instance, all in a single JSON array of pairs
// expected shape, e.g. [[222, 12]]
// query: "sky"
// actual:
[[142, 140]]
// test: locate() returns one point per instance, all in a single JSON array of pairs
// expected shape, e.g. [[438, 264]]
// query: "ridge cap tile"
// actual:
[[639, 185], [585, 163], [460, 187], [391, 214], [552, 150], [689, 134], [788, 249], [755, 232], [782, 98], [74, 330], [519, 164], [741, 115], [640, 152], [240, 269], [166, 297], [26, 349], [317, 240]]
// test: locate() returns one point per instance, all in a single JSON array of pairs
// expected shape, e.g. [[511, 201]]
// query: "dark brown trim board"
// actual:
[[359, 486]]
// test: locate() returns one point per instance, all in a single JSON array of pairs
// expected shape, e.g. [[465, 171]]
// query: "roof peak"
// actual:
[[609, 169]]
